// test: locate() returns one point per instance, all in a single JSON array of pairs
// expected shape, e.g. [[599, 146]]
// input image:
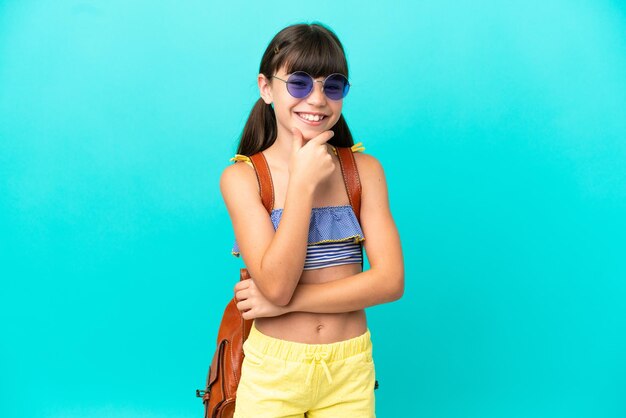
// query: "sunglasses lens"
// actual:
[[299, 84], [336, 87]]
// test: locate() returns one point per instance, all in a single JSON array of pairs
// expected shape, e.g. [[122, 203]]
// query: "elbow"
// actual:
[[390, 281], [284, 294], [276, 290], [280, 297], [283, 301], [396, 289], [399, 292], [272, 293]]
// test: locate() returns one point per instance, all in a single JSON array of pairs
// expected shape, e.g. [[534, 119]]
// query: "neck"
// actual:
[[280, 150]]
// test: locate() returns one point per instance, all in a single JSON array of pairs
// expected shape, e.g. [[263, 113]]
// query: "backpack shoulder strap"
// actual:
[[352, 181], [264, 177], [351, 176]]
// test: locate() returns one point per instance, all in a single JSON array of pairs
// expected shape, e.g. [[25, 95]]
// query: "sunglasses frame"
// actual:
[[313, 85]]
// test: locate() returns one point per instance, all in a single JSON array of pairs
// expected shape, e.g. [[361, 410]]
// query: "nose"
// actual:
[[317, 96]]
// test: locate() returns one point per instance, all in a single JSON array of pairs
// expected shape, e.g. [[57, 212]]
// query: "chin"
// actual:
[[310, 132]]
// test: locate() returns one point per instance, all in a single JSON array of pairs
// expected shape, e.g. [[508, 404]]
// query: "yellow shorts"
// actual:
[[285, 379]]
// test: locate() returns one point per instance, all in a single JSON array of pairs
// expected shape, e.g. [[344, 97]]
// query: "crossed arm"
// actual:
[[382, 283]]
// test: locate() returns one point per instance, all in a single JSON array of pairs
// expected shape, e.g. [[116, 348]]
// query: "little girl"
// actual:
[[309, 352]]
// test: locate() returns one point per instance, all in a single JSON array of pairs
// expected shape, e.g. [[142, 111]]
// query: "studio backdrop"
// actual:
[[501, 127]]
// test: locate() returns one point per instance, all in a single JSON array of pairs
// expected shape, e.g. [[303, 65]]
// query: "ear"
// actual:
[[265, 89]]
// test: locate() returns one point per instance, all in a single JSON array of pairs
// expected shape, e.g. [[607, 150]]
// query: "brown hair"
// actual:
[[313, 48]]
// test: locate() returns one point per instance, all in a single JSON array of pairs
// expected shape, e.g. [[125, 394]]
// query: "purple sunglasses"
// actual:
[[300, 85]]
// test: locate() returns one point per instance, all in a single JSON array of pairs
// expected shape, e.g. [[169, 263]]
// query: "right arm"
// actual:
[[275, 259]]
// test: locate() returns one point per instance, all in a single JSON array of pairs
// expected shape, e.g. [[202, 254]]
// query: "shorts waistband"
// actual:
[[293, 351]]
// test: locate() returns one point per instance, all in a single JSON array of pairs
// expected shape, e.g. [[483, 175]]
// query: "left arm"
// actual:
[[382, 283]]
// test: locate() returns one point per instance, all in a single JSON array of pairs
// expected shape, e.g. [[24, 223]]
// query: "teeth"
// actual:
[[314, 118]]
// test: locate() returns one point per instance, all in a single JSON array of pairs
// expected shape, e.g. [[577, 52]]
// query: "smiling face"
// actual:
[[312, 115]]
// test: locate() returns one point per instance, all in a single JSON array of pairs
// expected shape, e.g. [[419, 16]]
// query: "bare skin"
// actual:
[[310, 327], [321, 305]]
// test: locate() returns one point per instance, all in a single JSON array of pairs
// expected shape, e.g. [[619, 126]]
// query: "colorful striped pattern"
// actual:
[[335, 237], [332, 254]]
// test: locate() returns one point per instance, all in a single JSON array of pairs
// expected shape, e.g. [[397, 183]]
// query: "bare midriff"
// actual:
[[317, 328]]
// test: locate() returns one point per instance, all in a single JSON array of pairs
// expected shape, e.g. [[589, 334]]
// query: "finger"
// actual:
[[244, 305], [242, 294], [244, 284], [323, 137]]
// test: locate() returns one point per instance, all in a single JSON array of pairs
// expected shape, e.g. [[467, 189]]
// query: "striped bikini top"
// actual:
[[335, 235]]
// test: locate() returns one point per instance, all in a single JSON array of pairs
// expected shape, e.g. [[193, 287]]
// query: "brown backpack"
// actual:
[[225, 370]]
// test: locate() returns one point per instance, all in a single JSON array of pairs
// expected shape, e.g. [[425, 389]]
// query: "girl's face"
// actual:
[[292, 112]]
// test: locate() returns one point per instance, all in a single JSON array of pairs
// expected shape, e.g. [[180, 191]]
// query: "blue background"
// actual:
[[502, 130]]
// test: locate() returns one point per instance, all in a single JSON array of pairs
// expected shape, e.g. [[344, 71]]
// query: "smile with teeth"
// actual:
[[310, 117]]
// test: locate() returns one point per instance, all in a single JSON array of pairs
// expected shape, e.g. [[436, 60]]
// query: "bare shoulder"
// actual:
[[238, 179], [370, 169], [374, 191]]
